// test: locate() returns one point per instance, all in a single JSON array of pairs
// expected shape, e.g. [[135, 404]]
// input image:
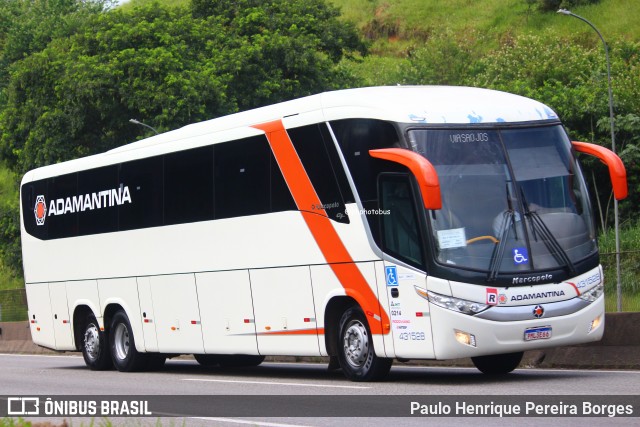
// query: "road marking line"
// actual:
[[69, 356], [255, 423], [274, 383]]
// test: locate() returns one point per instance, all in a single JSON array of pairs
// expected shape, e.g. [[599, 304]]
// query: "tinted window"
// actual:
[[355, 138], [242, 177], [401, 231], [338, 169], [175, 188], [98, 211], [311, 149], [63, 220], [188, 186], [281, 198], [144, 179]]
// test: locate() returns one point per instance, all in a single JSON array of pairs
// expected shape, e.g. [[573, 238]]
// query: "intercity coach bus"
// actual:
[[365, 225]]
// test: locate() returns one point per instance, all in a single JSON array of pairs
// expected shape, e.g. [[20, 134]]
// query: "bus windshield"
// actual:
[[513, 199]]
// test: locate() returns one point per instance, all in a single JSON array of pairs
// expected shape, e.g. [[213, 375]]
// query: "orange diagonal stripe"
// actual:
[[328, 240]]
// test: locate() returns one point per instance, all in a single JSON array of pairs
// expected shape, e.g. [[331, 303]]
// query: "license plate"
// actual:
[[539, 333]]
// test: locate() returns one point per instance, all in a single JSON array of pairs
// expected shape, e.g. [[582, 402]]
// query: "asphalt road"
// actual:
[[313, 385]]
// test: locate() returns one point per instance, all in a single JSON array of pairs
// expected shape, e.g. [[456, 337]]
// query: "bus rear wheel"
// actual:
[[498, 364], [356, 354], [124, 355], [95, 347]]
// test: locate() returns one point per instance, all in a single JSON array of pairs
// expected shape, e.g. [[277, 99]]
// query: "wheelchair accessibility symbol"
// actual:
[[520, 256], [392, 275]]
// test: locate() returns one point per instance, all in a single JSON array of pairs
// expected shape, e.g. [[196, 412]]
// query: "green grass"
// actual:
[[412, 21]]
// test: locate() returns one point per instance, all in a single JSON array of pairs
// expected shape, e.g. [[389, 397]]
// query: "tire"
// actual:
[[95, 346], [122, 343], [498, 364], [356, 354]]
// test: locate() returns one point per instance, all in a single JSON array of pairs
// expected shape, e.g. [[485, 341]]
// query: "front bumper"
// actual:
[[496, 337]]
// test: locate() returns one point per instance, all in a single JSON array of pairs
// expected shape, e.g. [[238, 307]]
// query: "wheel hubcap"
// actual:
[[92, 341], [356, 344], [121, 340]]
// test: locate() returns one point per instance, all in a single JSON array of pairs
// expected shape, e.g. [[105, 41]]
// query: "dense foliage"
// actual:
[[167, 67], [71, 87], [572, 79]]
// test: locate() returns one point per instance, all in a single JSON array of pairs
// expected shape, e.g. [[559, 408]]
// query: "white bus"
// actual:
[[365, 225]]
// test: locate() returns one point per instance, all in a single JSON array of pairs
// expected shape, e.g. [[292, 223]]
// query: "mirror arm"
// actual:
[[422, 170], [617, 171]]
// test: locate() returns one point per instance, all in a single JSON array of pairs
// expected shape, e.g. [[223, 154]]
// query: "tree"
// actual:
[[627, 129], [571, 78], [283, 48], [168, 67], [27, 26], [72, 91]]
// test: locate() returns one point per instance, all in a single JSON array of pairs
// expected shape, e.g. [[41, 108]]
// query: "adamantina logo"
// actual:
[[81, 203], [40, 210]]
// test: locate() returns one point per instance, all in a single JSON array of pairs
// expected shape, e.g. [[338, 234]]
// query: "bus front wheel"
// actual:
[[498, 364], [356, 354]]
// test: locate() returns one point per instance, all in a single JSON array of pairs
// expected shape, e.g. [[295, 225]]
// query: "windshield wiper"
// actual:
[[538, 227], [498, 252], [508, 219]]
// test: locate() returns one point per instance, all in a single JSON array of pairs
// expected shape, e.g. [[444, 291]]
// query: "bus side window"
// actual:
[[188, 186], [144, 179], [355, 138], [310, 146], [95, 221], [242, 178], [64, 223], [400, 226]]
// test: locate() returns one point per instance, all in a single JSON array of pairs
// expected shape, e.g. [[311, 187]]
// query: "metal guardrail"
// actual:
[[13, 305], [630, 280]]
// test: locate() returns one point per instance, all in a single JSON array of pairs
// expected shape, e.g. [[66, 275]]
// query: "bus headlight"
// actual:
[[451, 303], [593, 294]]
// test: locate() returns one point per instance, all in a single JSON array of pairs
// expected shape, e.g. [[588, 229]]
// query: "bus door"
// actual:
[[401, 239]]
